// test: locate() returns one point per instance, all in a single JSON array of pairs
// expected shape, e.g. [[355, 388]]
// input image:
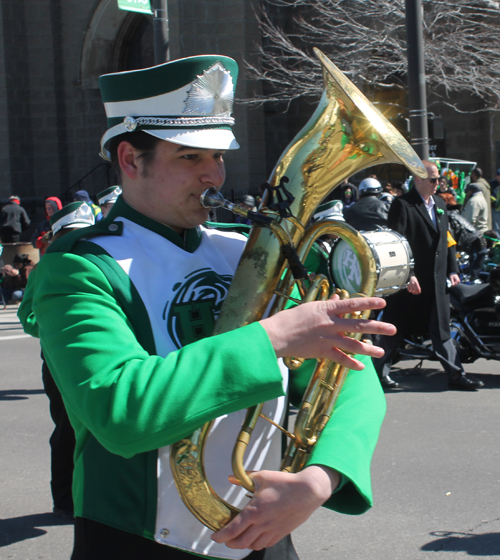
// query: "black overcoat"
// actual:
[[434, 261]]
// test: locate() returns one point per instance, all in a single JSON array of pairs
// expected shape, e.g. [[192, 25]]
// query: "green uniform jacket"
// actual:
[[125, 402]]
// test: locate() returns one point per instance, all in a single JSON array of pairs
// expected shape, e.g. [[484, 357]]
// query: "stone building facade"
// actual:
[[51, 116], [51, 56]]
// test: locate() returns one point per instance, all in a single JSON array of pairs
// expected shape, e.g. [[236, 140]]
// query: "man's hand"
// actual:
[[317, 330], [9, 270], [414, 286], [454, 279], [281, 502]]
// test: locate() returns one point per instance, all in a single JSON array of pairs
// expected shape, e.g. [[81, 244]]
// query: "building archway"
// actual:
[[115, 41]]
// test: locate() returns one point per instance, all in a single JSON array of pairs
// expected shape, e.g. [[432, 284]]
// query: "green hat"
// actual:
[[75, 215], [329, 211], [187, 101], [109, 195]]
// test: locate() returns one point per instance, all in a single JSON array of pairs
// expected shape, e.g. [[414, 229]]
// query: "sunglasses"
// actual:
[[434, 180]]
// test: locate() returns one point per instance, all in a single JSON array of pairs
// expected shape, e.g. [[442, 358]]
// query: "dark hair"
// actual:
[[22, 259], [140, 140], [478, 171], [491, 237]]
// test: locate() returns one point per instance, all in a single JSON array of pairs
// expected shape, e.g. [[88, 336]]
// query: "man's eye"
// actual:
[[189, 156]]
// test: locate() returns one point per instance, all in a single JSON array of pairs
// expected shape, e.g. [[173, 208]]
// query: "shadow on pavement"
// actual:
[[19, 394], [19, 529], [431, 380], [487, 544]]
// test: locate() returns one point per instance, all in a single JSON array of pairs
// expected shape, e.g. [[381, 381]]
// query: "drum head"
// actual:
[[344, 266], [393, 262]]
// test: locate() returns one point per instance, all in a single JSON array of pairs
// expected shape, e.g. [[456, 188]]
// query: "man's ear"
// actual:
[[128, 160]]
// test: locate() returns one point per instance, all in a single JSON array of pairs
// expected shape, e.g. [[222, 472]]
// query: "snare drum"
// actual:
[[393, 259]]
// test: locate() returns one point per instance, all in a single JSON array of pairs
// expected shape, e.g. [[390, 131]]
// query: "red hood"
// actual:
[[53, 200]]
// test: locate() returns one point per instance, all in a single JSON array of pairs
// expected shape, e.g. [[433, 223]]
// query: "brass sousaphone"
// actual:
[[345, 135]]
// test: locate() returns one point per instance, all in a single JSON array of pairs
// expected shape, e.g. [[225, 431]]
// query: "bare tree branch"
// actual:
[[367, 40]]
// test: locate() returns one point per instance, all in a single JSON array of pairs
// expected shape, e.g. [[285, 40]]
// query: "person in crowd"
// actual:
[[445, 187], [247, 202], [397, 189], [331, 211], [424, 307], [126, 334], [43, 232], [348, 196], [74, 216], [15, 278], [476, 177], [442, 185], [83, 196], [468, 238], [346, 192], [386, 197], [260, 194], [476, 208], [107, 198], [495, 183], [495, 195], [369, 213], [493, 246], [13, 221], [386, 194]]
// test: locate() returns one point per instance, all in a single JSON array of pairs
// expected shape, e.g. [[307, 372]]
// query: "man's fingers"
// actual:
[[231, 531], [340, 357], [363, 326], [233, 480], [241, 531], [264, 541], [339, 307], [252, 538]]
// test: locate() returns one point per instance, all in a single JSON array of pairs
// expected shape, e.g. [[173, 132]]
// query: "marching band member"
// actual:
[[124, 310], [107, 198]]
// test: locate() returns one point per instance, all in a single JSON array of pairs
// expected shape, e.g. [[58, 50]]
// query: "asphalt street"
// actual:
[[436, 470]]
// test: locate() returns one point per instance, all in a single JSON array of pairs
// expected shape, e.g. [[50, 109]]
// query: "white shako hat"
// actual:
[[109, 195], [75, 215], [330, 211], [187, 101]]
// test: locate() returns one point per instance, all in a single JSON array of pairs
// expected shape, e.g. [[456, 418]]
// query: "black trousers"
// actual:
[[62, 445], [445, 350], [96, 541], [8, 235]]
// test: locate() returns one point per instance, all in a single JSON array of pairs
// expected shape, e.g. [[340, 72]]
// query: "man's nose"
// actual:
[[213, 173]]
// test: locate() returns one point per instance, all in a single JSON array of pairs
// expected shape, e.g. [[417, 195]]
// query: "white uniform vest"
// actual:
[[157, 268]]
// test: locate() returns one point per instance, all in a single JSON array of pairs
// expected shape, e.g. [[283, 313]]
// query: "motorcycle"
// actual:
[[475, 324]]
